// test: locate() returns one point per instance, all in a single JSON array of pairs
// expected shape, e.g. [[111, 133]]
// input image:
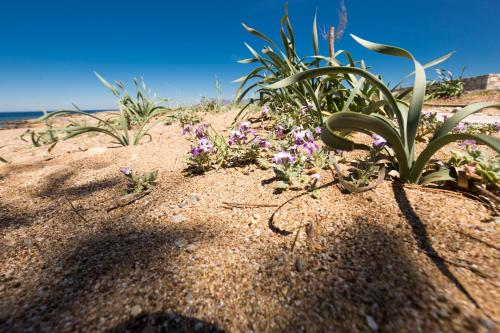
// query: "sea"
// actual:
[[27, 115]]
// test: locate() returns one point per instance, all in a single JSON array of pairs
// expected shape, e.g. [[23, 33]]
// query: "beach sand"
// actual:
[[205, 254]]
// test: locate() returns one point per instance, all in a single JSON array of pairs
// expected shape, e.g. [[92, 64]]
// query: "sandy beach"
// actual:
[[196, 255]]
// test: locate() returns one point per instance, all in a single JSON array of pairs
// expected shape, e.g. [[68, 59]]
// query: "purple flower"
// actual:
[[317, 130], [302, 136], [310, 147], [201, 131], [279, 131], [187, 129], [468, 143], [460, 128], [305, 108], [236, 137], [496, 126], [205, 145], [263, 143], [283, 157], [378, 141], [127, 171], [195, 151], [246, 128], [264, 111]]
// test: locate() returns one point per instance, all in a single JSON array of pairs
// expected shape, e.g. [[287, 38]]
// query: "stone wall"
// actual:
[[483, 82]]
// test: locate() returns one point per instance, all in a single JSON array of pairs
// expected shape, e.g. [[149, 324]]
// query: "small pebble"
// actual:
[[179, 218], [371, 323], [299, 266], [194, 198], [136, 310], [191, 248], [198, 327]]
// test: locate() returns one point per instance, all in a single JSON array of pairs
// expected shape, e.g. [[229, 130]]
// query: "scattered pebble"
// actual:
[[299, 266], [371, 323], [179, 218], [194, 198], [136, 310]]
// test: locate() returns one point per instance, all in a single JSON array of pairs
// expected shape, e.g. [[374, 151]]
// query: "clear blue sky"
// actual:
[[48, 49]]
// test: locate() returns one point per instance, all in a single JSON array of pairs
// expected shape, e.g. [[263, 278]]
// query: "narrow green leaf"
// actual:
[[460, 115]]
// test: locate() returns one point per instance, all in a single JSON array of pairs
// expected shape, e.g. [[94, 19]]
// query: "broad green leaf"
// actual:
[[353, 121], [437, 176]]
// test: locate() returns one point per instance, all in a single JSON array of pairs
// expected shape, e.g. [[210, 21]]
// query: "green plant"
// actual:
[[139, 184], [139, 112], [446, 86], [399, 123], [474, 165], [116, 130], [218, 95], [140, 109], [314, 94]]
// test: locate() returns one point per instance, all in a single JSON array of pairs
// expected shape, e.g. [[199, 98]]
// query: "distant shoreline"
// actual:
[[19, 118]]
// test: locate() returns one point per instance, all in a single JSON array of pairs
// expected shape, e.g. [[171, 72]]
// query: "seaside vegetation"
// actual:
[[300, 116]]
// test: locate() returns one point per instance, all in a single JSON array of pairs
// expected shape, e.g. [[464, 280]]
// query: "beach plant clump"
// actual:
[[139, 109], [137, 184], [209, 149], [318, 95], [473, 165], [399, 122], [129, 127], [295, 154], [446, 86]]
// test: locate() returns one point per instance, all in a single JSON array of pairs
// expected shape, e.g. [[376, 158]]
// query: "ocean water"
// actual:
[[26, 115]]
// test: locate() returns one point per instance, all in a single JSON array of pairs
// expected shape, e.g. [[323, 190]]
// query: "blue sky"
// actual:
[[48, 49]]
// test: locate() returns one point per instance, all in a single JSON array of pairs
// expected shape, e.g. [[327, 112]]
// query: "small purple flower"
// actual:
[[205, 145], [245, 126], [127, 171], [339, 151], [201, 131], [460, 128], [279, 131], [187, 129], [283, 158], [496, 126], [195, 151], [265, 111], [302, 136], [317, 130], [310, 147], [468, 143], [235, 137], [306, 108], [263, 143], [378, 141]]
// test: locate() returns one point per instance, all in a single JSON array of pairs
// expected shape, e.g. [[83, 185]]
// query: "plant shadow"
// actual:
[[72, 284], [422, 238], [165, 322]]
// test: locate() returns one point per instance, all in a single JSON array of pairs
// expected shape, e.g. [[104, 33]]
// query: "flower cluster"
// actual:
[[202, 146], [240, 135]]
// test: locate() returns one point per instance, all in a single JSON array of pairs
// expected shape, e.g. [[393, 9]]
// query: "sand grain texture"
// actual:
[[363, 262]]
